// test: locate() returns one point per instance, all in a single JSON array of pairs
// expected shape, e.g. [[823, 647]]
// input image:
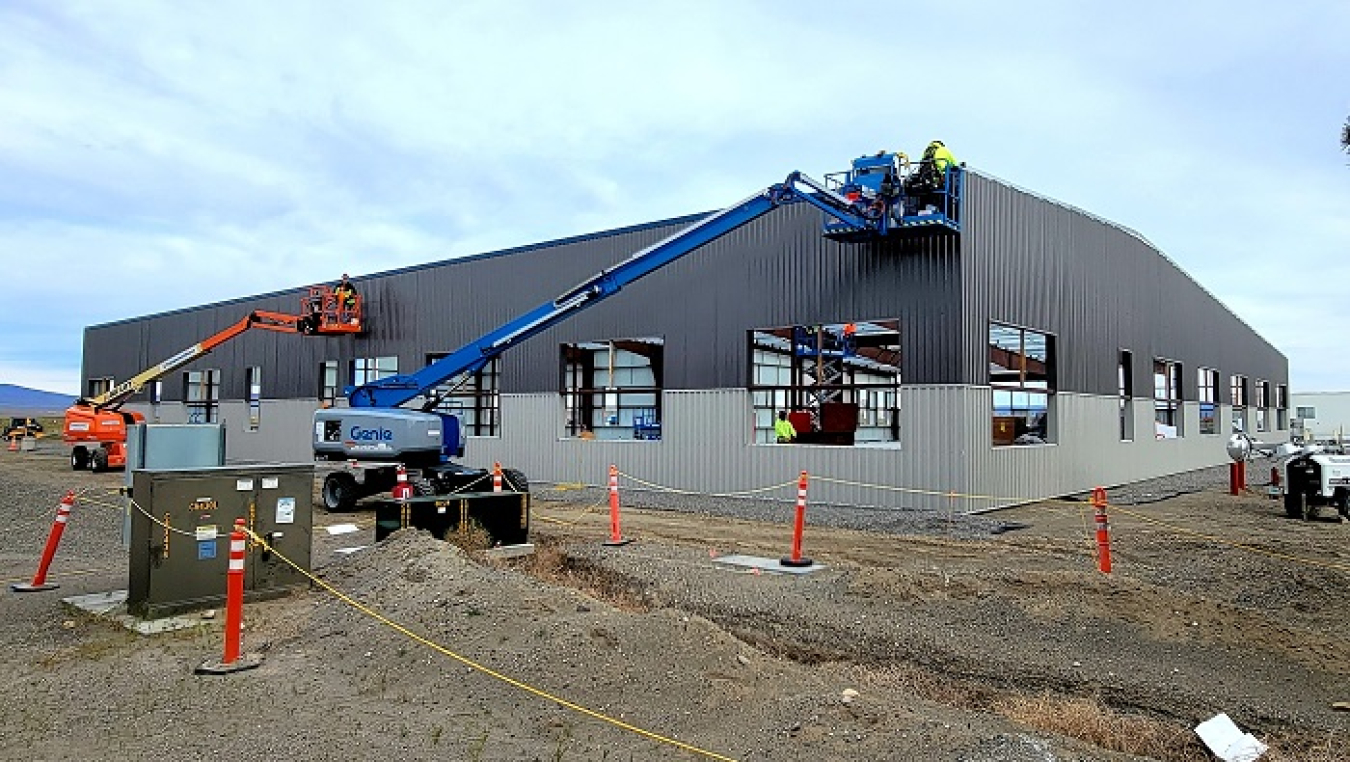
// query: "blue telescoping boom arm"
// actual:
[[395, 390]]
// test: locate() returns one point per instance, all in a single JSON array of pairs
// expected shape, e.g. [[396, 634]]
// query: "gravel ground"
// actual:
[[916, 639]]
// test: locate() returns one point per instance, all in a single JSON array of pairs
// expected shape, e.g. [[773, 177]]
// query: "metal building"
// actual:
[[1039, 351]]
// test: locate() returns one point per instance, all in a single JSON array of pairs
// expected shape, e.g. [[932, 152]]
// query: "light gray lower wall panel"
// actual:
[[283, 434], [946, 447]]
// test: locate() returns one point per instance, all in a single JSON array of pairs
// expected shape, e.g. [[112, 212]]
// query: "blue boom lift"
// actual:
[[374, 435]]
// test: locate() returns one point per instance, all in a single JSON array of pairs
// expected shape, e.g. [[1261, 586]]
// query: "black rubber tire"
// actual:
[[1293, 505], [339, 492], [98, 463], [513, 480], [79, 458]]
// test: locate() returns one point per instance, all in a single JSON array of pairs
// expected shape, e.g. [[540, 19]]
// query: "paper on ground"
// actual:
[[346, 551], [1227, 742], [342, 528]]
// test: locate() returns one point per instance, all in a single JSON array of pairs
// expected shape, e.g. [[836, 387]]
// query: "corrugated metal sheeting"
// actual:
[[1022, 260], [1098, 288]]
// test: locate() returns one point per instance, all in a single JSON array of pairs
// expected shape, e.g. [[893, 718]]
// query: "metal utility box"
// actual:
[[179, 560], [505, 516]]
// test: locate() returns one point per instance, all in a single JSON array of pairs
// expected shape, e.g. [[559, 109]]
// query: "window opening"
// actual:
[[156, 398], [1238, 392], [328, 383], [254, 392], [612, 389], [838, 382], [201, 395], [1125, 394], [99, 386], [368, 369], [1022, 377], [1166, 399], [1207, 393], [1262, 405], [473, 398], [1281, 407]]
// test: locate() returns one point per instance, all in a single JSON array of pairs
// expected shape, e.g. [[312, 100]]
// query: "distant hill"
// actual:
[[20, 400]]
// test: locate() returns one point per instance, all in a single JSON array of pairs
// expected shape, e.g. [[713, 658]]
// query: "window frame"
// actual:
[[481, 390], [628, 404], [1019, 392], [201, 397], [1207, 395]]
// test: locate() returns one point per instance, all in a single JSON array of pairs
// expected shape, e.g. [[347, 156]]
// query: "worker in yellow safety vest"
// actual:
[[939, 157], [926, 186], [783, 429]]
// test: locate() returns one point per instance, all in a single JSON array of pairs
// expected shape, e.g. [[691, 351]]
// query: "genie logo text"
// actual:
[[359, 434]]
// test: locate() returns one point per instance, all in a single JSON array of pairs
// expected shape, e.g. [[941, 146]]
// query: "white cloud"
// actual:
[[173, 155]]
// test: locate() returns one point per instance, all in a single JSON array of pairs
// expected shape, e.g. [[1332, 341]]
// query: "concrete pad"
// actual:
[[766, 564], [511, 551], [112, 606]]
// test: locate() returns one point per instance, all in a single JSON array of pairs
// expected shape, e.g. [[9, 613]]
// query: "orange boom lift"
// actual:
[[96, 427]]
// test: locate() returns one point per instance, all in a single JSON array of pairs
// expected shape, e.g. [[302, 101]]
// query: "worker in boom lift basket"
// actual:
[[926, 185]]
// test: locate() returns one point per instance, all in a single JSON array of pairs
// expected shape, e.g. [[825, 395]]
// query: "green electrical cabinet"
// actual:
[[181, 520]]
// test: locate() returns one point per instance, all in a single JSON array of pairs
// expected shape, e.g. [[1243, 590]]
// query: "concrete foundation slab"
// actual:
[[766, 564], [113, 607]]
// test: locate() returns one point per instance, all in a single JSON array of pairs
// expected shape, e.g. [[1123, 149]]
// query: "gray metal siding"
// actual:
[[1022, 259], [776, 271], [1098, 288]]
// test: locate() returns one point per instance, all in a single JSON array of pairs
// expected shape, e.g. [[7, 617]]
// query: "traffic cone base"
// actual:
[[247, 661], [618, 542], [795, 562], [24, 587]]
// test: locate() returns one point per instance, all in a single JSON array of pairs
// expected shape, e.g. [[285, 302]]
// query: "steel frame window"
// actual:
[[1282, 407], [475, 399], [1262, 405], [1207, 393], [1022, 378], [855, 363], [1125, 394], [201, 395], [1167, 398], [253, 395], [612, 388], [1237, 390], [97, 386], [328, 383], [368, 369]]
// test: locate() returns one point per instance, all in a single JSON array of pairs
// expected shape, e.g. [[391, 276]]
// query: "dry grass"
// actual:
[[1088, 719], [551, 563], [470, 537]]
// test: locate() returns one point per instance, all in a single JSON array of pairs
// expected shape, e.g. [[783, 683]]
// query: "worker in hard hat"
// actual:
[[926, 185], [345, 293], [783, 430]]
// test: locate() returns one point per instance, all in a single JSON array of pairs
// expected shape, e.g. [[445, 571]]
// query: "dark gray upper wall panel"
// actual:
[[1099, 288], [1022, 259], [773, 272]]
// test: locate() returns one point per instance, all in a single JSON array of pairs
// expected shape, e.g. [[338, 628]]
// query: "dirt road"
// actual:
[[943, 645]]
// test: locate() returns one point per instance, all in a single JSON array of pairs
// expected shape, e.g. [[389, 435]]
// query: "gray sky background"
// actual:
[[157, 156]]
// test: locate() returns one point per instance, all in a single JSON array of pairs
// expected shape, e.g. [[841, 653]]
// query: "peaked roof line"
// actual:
[[682, 220]]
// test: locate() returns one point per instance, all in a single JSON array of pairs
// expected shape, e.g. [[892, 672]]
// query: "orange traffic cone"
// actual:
[[13, 444]]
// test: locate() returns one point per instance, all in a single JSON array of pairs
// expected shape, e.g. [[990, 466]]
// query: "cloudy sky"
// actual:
[[155, 156]]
